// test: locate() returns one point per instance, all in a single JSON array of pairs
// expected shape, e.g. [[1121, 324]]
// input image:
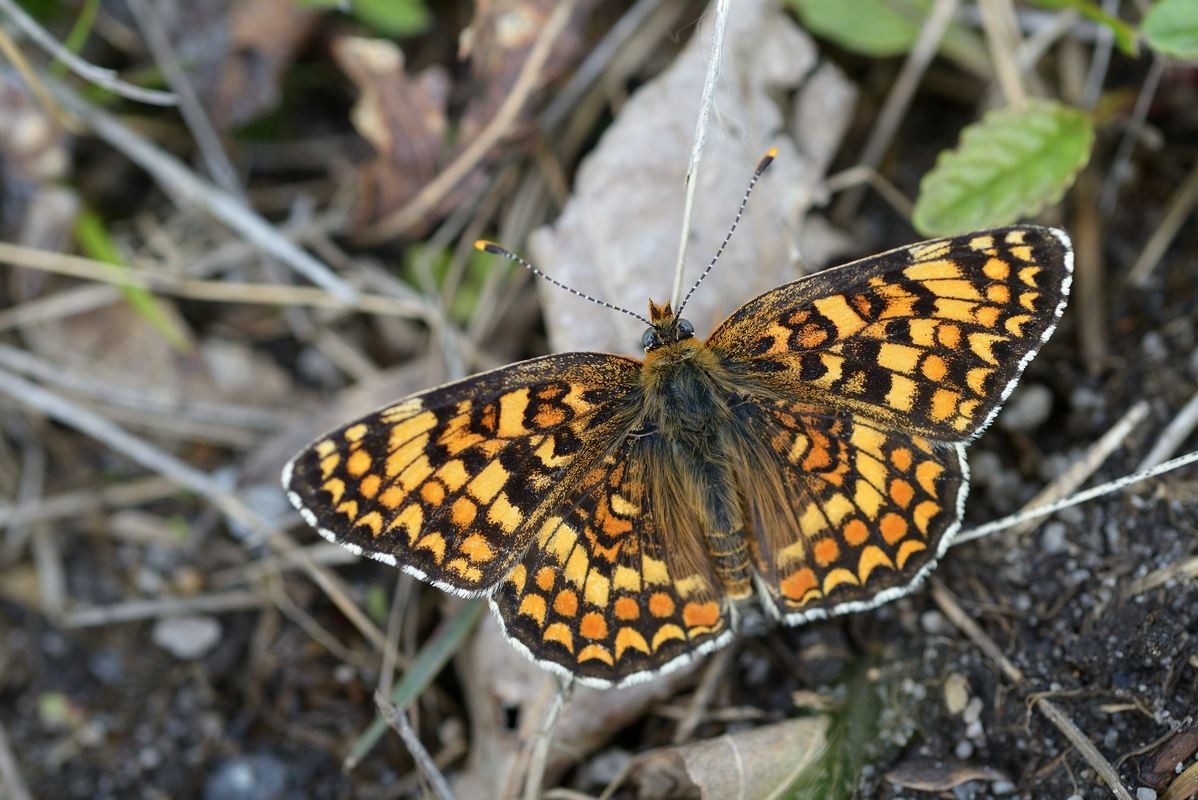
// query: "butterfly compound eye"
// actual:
[[649, 339], [685, 329]]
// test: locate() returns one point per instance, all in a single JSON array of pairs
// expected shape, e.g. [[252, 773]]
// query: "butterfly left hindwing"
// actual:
[[605, 594]]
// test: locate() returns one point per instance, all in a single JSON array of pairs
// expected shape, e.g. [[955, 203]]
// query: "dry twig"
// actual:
[[105, 78], [396, 718]]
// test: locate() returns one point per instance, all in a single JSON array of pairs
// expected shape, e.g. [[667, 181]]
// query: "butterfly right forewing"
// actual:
[[930, 337]]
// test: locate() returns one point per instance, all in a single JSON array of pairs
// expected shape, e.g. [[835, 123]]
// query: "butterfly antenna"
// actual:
[[762, 165], [490, 247]]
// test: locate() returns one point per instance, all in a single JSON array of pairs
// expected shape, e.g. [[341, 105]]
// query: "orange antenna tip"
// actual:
[[488, 247], [766, 160]]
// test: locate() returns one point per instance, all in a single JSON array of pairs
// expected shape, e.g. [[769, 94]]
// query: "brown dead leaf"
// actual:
[[617, 237], [1159, 767], [263, 40], [497, 42], [1186, 785], [746, 764], [505, 688], [403, 118], [937, 775]]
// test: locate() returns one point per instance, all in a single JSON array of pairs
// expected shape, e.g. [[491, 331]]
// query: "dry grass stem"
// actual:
[[157, 460], [1181, 205], [713, 672], [10, 771], [104, 78], [1120, 167], [1002, 35], [202, 130], [74, 504], [544, 739], [135, 610], [211, 291], [396, 718], [188, 189], [706, 101], [1174, 435], [1065, 483]]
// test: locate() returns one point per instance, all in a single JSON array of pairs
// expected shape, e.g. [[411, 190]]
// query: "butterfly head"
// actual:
[[665, 328]]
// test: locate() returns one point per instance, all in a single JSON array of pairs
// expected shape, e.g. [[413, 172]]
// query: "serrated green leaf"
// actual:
[[1171, 27], [1008, 165], [1125, 34], [883, 28]]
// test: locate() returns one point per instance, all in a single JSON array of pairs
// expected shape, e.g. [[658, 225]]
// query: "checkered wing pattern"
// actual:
[[929, 338], [453, 484], [843, 514], [603, 594]]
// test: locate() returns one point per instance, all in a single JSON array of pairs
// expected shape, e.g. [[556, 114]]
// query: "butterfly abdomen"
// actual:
[[687, 400]]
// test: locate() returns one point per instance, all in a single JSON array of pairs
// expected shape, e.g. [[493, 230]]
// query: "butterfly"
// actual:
[[808, 455]]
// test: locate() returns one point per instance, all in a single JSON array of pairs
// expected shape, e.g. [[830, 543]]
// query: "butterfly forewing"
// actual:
[[451, 484], [928, 338]]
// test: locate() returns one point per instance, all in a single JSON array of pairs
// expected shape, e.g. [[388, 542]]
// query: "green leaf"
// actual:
[[1125, 34], [94, 241], [1171, 27], [868, 27], [883, 28], [1008, 165], [387, 17]]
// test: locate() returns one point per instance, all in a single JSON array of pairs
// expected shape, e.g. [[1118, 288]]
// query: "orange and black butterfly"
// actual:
[[809, 455]]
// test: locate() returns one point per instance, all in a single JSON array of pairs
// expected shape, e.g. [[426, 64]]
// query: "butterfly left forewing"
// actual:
[[450, 484], [843, 514], [930, 337]]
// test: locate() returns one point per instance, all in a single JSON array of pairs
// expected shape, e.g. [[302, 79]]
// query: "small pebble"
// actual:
[[1002, 787], [1052, 538], [187, 638], [974, 730], [256, 777], [1075, 797], [1028, 409], [1144, 793], [973, 711], [956, 693], [933, 623], [963, 750]]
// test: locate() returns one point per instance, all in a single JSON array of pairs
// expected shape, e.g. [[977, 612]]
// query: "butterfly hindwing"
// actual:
[[603, 594], [929, 338], [450, 484], [852, 514]]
